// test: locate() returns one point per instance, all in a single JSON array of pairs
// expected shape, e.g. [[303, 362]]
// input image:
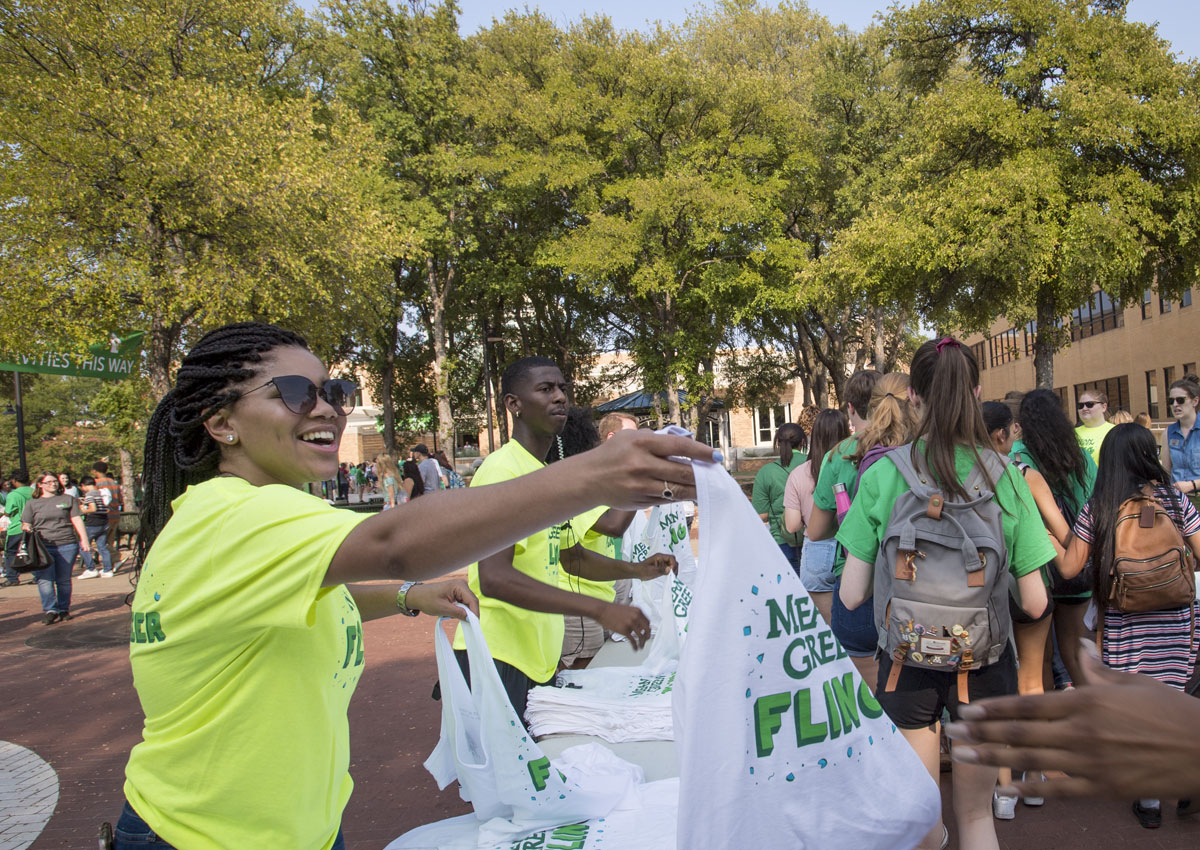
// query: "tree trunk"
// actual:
[[439, 293], [880, 342], [674, 411], [1045, 344], [162, 350], [127, 480], [387, 376]]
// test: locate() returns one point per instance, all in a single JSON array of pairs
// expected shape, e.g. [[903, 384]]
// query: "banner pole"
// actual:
[[20, 422]]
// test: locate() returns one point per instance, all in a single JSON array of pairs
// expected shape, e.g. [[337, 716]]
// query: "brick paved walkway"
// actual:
[[68, 697]]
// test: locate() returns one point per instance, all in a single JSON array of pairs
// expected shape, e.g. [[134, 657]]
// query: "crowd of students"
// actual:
[[249, 582], [1060, 491]]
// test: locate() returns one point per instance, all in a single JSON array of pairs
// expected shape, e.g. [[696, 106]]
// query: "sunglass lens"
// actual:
[[340, 395], [298, 393], [1178, 400]]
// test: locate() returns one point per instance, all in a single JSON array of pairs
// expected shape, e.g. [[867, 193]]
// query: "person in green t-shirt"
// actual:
[[770, 483], [521, 605], [1093, 413], [14, 504], [948, 444], [246, 637]]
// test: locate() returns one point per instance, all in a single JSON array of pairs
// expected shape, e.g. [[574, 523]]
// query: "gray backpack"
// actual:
[[941, 575]]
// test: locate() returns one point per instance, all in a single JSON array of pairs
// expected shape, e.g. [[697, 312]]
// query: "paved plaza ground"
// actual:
[[68, 699]]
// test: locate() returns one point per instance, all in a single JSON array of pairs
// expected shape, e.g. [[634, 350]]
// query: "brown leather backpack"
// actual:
[[1152, 569]]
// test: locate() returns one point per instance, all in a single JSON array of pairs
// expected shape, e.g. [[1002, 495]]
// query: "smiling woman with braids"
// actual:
[[246, 639]]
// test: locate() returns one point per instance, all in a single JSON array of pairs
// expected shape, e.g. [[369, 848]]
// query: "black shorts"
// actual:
[[920, 694]]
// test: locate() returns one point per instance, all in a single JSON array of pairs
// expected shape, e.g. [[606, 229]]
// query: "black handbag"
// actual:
[[32, 554]]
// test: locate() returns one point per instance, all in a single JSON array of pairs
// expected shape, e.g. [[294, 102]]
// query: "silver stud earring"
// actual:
[[229, 438]]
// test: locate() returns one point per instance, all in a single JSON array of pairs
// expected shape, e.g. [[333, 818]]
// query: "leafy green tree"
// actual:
[[171, 167], [1053, 151]]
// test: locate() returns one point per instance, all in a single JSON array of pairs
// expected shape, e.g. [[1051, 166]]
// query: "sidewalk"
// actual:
[[68, 698]]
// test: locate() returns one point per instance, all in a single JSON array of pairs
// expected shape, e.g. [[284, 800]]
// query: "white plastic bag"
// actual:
[[780, 742], [501, 771]]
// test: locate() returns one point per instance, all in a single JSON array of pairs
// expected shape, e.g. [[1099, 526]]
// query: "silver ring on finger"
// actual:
[[667, 492]]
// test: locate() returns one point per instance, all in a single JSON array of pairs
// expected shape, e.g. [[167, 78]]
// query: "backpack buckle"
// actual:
[[934, 509]]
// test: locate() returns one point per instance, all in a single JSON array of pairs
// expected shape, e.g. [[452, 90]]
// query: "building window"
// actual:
[[1164, 305], [710, 434], [978, 350], [1097, 315], [1189, 369], [1185, 300], [1152, 392], [1168, 378], [767, 421], [1116, 389], [1061, 392], [1004, 347], [1147, 302]]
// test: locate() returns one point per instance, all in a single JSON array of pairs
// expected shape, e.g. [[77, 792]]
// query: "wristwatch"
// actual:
[[402, 598]]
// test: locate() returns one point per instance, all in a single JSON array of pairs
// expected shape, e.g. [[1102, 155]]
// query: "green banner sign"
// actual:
[[110, 360], [108, 367]]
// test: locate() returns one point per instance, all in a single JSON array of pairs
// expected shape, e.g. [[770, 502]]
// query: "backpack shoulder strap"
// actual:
[[920, 485], [995, 465]]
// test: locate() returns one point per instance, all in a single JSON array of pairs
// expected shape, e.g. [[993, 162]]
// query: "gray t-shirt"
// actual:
[[50, 517], [431, 474]]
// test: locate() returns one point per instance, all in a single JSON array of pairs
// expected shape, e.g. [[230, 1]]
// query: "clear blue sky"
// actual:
[[1179, 20]]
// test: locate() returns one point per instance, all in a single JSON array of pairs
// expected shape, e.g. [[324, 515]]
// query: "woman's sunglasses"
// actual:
[[299, 394], [1087, 405], [1178, 399]]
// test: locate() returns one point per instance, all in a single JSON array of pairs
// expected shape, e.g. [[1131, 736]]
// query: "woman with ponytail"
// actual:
[[829, 427], [246, 639], [950, 442]]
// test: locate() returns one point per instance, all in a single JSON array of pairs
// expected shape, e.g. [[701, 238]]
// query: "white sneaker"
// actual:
[[108, 574], [1003, 807], [89, 574], [1034, 801]]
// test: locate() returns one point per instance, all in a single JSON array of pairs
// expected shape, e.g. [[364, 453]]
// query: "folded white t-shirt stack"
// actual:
[[615, 704]]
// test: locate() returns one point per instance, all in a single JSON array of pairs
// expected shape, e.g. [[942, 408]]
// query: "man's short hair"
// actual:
[[21, 476], [87, 481], [612, 423], [515, 372], [421, 449], [859, 389], [101, 467]]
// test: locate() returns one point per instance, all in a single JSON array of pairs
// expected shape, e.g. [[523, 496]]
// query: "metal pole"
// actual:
[[487, 389], [20, 422]]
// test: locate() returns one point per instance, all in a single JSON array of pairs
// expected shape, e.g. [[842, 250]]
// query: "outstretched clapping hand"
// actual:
[[633, 469], [1116, 735]]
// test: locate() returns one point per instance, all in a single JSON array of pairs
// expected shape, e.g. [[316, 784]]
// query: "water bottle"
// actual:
[[841, 499]]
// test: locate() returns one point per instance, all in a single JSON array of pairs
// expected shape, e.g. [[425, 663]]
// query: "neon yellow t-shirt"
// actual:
[[592, 540], [531, 641], [1091, 438], [244, 666]]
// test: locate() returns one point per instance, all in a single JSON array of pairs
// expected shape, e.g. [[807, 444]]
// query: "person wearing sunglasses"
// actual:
[[1094, 427], [246, 637], [1181, 443]]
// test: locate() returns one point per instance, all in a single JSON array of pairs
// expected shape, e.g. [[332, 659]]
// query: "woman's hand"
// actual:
[[442, 598], [1118, 735], [655, 566], [632, 469], [628, 621]]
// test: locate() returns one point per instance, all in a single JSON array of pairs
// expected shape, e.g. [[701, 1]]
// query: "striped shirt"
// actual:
[[1156, 643]]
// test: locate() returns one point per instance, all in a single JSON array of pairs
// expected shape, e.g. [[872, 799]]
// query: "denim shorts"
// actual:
[[133, 833], [854, 629], [816, 565]]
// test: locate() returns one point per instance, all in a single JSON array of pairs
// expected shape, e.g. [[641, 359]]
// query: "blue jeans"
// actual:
[[133, 833], [54, 582], [792, 554], [12, 542], [99, 534], [816, 565], [854, 629]]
